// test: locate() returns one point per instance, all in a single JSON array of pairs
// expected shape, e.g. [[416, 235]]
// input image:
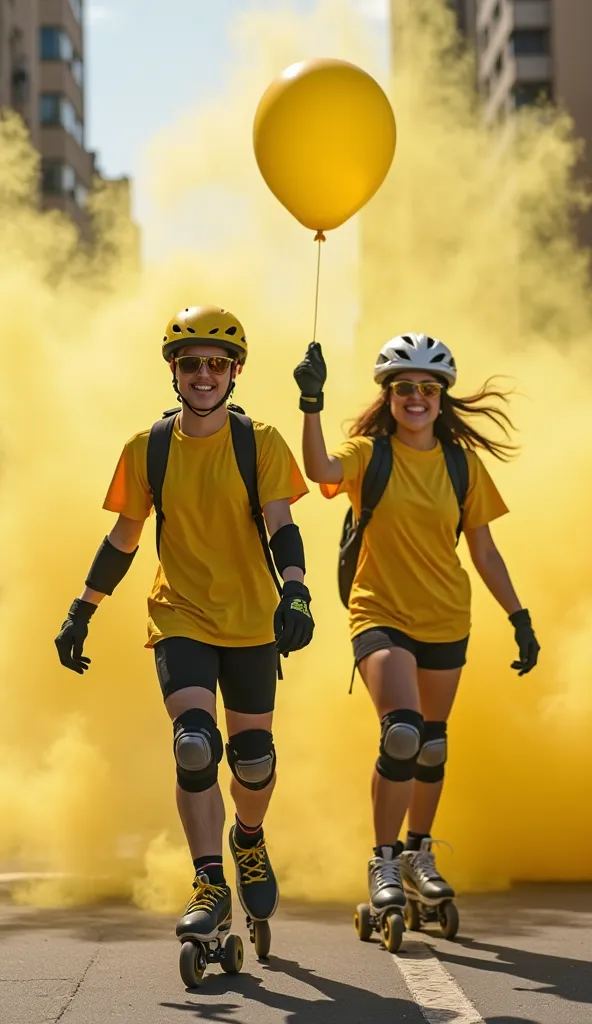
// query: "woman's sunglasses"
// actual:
[[193, 364], [426, 388]]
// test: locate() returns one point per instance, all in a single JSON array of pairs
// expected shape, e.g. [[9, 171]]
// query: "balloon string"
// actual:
[[319, 237]]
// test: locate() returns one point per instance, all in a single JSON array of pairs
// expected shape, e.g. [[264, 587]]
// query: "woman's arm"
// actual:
[[492, 568], [311, 376], [319, 466]]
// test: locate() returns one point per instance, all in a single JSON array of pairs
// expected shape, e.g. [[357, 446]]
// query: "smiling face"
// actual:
[[415, 412], [205, 387]]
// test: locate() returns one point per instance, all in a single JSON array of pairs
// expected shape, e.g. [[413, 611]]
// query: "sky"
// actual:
[[142, 67]]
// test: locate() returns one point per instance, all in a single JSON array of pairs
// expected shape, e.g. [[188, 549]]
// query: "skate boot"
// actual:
[[203, 931], [387, 900], [429, 896], [257, 890], [208, 913]]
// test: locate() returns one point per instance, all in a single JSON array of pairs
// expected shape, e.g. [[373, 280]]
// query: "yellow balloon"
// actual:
[[324, 138]]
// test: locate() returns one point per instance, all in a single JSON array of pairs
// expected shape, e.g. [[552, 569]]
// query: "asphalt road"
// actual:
[[520, 958]]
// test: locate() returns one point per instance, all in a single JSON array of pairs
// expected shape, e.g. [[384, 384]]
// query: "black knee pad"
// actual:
[[432, 756], [251, 756], [198, 748], [400, 742]]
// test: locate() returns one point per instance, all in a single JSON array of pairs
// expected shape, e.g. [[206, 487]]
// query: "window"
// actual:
[[76, 6], [526, 94], [55, 44], [77, 71], [49, 108], [527, 41], [55, 109], [60, 179], [80, 194]]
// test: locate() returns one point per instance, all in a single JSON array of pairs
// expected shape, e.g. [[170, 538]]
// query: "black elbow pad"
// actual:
[[287, 548], [109, 568]]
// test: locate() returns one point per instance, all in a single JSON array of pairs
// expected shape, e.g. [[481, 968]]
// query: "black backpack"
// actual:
[[374, 484], [245, 450]]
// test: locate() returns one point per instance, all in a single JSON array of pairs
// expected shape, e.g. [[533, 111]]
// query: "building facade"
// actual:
[[42, 78], [529, 50]]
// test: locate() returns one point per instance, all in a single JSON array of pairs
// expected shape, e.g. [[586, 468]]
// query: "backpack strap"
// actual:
[[157, 457], [457, 465], [376, 477], [245, 450]]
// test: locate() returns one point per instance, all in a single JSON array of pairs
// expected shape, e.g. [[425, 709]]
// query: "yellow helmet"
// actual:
[[205, 325]]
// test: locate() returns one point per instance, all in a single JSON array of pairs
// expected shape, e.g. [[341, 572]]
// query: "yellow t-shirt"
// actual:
[[212, 583], [409, 575]]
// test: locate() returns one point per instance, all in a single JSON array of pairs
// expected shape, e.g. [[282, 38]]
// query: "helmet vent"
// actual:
[[430, 342], [214, 330], [230, 330], [410, 341], [438, 358], [402, 353], [244, 340], [190, 329], [165, 338], [177, 329]]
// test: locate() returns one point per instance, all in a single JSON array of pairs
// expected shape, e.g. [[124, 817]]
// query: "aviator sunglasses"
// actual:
[[215, 364], [426, 388]]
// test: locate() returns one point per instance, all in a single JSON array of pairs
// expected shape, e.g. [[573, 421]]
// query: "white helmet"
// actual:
[[415, 352]]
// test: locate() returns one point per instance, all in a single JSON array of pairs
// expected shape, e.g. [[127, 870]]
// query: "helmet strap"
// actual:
[[200, 412]]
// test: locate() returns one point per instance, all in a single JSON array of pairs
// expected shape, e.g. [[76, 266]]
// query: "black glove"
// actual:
[[71, 637], [292, 623], [528, 645], [310, 376]]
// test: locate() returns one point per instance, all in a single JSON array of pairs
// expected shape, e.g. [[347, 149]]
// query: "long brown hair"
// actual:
[[451, 426]]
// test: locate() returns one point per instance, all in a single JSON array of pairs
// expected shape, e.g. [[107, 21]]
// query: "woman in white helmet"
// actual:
[[409, 603]]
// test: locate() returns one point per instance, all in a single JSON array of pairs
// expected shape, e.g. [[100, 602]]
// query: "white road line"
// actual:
[[435, 992]]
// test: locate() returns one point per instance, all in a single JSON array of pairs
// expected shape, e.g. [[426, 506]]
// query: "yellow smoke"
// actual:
[[470, 239]]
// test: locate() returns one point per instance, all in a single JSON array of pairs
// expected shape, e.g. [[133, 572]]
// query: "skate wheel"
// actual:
[[392, 930], [449, 919], [231, 960], [192, 964], [362, 922], [412, 916], [262, 939]]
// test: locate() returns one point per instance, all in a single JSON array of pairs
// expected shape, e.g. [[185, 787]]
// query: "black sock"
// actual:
[[212, 867], [414, 840], [247, 835], [397, 848]]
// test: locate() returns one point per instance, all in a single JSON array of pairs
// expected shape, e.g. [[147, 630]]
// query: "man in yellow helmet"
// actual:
[[213, 611]]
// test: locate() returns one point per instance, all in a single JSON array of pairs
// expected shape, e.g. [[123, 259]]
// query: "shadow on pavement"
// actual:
[[341, 1003], [510, 1020], [558, 976]]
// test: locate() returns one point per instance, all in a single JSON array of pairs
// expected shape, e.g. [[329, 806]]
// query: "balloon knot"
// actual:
[[320, 237]]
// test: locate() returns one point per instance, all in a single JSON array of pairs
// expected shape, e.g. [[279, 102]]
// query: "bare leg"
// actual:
[[202, 814], [391, 679], [251, 805], [437, 691]]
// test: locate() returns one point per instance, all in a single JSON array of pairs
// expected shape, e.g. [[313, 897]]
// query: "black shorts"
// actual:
[[430, 656], [247, 675]]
